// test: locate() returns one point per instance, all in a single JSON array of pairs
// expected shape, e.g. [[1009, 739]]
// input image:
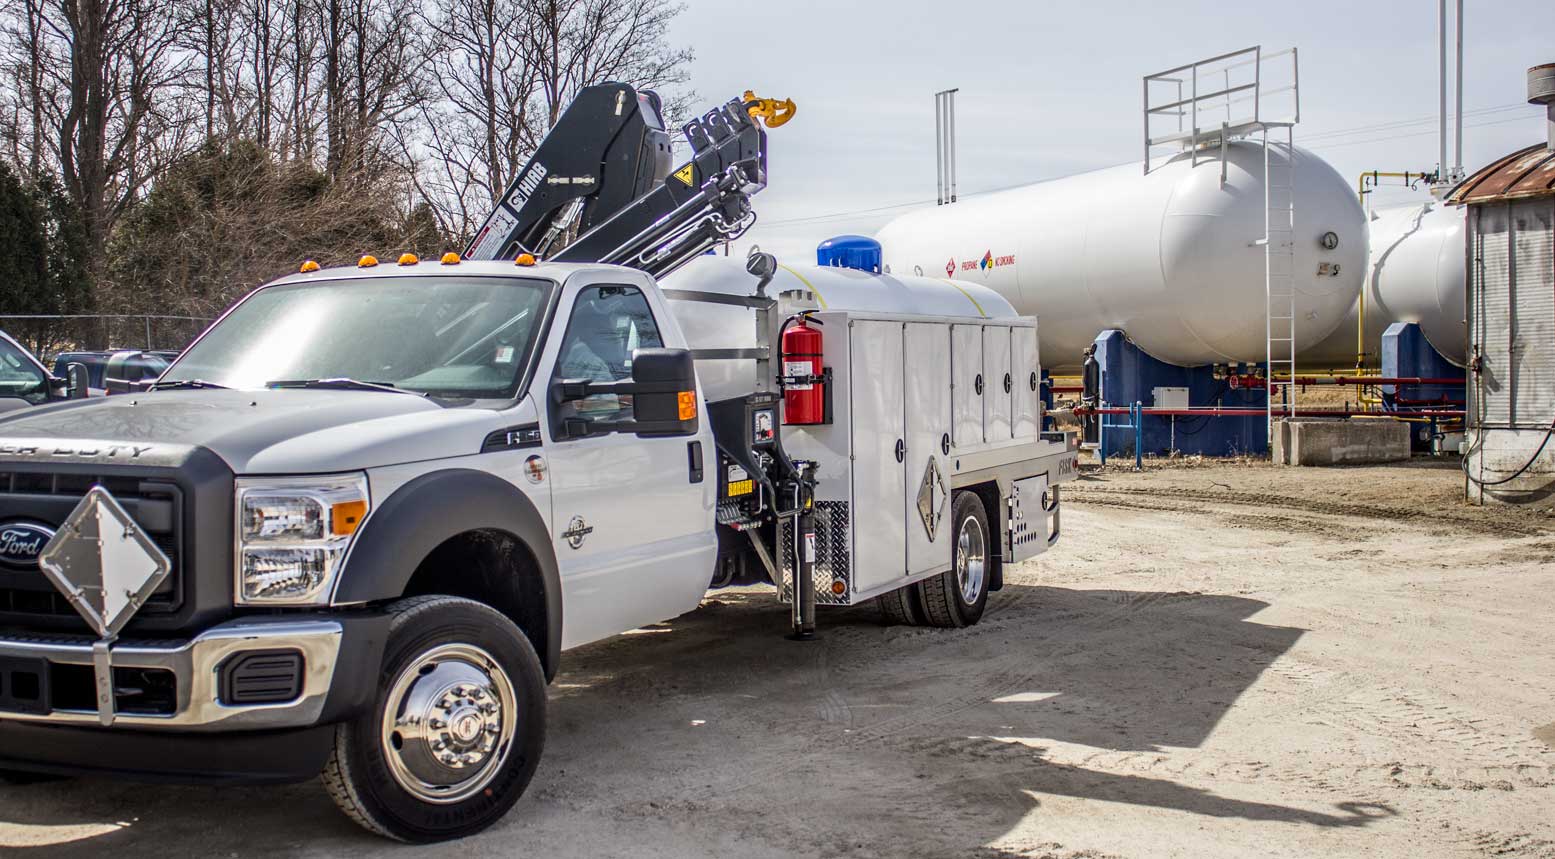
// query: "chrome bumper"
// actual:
[[196, 666]]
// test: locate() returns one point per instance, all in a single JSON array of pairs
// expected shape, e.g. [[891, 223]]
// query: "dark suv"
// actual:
[[116, 371]]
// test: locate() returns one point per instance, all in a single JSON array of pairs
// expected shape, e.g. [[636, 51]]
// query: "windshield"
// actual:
[[444, 336]]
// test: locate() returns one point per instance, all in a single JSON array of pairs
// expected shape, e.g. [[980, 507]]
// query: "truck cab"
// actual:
[[345, 448]]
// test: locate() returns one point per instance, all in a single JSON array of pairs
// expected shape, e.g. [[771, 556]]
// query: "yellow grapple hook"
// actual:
[[769, 110]]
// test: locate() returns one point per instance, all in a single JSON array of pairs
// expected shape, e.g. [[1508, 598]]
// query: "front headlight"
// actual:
[[292, 534]]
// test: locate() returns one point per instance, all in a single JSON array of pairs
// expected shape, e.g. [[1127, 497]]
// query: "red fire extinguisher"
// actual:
[[804, 385]]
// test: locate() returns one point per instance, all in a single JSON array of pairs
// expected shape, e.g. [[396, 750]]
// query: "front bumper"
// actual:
[[203, 738], [340, 654]]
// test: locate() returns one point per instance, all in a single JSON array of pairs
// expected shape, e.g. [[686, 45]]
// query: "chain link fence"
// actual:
[[46, 335]]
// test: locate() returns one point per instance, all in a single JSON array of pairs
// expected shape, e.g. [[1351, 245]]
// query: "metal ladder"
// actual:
[[1279, 241]]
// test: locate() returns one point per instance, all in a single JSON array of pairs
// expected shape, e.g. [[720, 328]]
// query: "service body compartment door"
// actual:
[[927, 346], [997, 383], [1027, 375], [879, 535], [966, 367]]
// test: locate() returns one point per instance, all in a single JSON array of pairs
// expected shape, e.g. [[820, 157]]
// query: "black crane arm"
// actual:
[[608, 149], [637, 212]]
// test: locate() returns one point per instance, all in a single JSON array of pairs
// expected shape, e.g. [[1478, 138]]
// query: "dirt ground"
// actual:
[[1217, 660]]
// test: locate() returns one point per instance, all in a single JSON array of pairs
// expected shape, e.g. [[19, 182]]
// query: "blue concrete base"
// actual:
[[1129, 375], [1406, 353]]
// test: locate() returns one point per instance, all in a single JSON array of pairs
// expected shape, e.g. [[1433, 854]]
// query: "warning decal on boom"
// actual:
[[686, 174]]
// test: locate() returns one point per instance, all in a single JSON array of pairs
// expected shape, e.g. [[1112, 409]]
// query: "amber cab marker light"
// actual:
[[367, 261], [408, 259], [450, 258], [525, 259], [309, 266]]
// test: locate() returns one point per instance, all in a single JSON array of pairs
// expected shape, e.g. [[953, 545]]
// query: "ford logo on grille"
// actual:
[[21, 542]]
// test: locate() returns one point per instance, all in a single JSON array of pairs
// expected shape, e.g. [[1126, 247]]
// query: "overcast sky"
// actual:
[[1050, 89]]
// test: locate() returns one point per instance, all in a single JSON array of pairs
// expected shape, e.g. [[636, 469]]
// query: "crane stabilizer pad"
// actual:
[[687, 174]]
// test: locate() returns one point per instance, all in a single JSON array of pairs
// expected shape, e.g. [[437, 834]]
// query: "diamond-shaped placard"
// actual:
[[931, 498], [104, 563]]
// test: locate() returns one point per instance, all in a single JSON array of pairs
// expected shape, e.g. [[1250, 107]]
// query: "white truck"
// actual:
[[355, 525]]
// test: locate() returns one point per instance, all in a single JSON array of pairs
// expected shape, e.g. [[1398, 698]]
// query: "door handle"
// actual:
[[1007, 384], [977, 384], [694, 458], [1033, 382], [901, 450], [944, 444]]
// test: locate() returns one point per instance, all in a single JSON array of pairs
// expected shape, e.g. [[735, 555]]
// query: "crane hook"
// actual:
[[769, 110]]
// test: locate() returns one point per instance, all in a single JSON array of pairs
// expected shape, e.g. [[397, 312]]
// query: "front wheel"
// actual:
[[957, 597], [457, 728]]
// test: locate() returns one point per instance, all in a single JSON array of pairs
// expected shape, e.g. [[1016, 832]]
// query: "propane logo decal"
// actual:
[[983, 263], [950, 268]]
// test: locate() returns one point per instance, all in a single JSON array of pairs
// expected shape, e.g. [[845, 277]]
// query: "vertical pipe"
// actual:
[[939, 149], [1441, 79], [1457, 161], [952, 145]]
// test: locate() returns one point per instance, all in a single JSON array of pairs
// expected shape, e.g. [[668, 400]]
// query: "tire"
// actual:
[[900, 607], [957, 597], [467, 665]]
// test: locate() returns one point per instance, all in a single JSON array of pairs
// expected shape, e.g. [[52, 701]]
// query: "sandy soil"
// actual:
[[1221, 660]]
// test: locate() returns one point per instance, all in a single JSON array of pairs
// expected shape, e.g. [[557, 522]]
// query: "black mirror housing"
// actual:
[[663, 389]]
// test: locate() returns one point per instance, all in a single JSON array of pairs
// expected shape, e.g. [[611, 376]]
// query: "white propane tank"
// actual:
[[1415, 274], [1170, 257], [801, 287]]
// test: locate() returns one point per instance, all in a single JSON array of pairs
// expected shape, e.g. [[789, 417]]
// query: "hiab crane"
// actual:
[[411, 487], [600, 187]]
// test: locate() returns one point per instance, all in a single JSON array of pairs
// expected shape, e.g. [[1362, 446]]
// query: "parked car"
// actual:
[[115, 371], [24, 381]]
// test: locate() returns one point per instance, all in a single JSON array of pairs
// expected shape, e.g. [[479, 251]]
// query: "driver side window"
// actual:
[[607, 324]]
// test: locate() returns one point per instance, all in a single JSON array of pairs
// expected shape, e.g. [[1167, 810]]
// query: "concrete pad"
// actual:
[[1340, 442]]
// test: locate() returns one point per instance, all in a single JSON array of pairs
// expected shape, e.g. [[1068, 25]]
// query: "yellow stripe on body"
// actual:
[[980, 311]]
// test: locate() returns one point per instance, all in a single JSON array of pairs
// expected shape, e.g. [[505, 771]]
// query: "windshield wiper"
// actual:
[[342, 384], [174, 384]]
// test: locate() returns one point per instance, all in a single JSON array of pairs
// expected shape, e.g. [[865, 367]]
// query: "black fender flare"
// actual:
[[419, 516]]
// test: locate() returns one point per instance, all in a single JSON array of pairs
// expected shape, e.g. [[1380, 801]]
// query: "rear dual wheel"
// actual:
[[958, 596]]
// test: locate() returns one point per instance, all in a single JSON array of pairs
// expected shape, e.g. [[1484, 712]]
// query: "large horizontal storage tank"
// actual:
[[1172, 257], [1415, 274], [802, 287]]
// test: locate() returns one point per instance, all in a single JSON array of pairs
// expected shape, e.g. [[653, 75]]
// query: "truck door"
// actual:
[[966, 367], [879, 451], [633, 514], [1028, 383], [926, 348], [997, 383]]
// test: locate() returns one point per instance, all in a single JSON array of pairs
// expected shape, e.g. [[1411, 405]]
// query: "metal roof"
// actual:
[[1527, 172]]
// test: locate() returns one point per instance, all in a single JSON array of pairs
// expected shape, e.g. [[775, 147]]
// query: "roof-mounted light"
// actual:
[[525, 259], [308, 266], [408, 259], [450, 258], [367, 261]]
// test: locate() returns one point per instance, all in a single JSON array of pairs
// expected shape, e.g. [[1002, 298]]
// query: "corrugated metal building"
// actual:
[[1510, 455]]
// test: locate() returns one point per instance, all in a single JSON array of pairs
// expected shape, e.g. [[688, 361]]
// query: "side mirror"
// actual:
[[78, 380], [663, 389]]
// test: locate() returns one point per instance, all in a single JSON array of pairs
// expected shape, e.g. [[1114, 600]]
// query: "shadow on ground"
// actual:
[[716, 719]]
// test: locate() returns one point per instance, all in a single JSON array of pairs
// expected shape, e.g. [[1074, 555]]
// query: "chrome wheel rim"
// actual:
[[971, 559], [448, 723]]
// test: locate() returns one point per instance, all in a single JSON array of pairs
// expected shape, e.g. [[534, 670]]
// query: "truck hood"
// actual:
[[261, 432]]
